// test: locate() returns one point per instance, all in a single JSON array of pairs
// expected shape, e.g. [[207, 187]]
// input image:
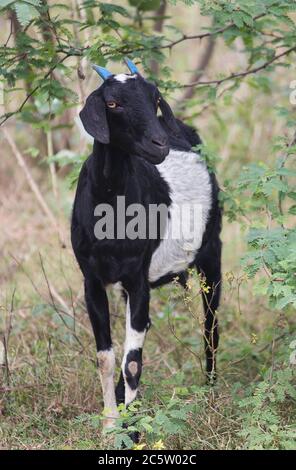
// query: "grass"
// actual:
[[51, 396], [50, 391]]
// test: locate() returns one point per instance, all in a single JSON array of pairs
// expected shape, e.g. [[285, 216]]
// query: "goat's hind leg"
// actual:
[[98, 310], [208, 264]]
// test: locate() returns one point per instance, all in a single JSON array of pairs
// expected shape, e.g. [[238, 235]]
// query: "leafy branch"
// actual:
[[32, 92], [63, 39], [244, 73]]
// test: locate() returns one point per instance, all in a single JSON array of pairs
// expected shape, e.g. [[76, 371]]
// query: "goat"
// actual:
[[147, 160]]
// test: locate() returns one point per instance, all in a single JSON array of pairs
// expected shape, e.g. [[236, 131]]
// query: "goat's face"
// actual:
[[123, 113]]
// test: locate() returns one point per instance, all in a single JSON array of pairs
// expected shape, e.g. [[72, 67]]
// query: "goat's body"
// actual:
[[119, 259], [189, 185], [139, 264], [182, 178]]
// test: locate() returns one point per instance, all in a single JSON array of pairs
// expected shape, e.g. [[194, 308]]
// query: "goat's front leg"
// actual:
[[137, 324], [98, 310]]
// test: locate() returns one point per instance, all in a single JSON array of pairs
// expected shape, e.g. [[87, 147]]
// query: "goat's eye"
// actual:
[[111, 104]]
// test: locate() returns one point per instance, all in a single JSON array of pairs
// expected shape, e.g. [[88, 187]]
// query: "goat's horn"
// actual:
[[131, 65], [104, 73]]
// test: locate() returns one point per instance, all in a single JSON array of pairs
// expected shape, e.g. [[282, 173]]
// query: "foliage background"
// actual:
[[239, 55]]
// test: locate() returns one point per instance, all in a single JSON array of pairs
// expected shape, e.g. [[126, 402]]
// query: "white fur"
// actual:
[[189, 183], [133, 340], [122, 77], [106, 361]]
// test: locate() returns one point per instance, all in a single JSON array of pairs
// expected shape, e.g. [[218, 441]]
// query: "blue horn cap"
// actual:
[[131, 65], [104, 73]]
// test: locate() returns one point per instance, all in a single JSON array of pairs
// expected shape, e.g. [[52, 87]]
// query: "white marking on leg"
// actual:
[[106, 360], [133, 340]]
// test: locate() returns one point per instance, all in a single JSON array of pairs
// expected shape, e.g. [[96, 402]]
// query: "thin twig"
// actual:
[[33, 185], [6, 337], [245, 72], [32, 92], [10, 33], [283, 162], [76, 51], [200, 69], [158, 26], [186, 37], [53, 294], [197, 356]]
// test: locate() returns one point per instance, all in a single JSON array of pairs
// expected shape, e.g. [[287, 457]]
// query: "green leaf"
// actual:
[[292, 210], [145, 5], [25, 12], [123, 440], [5, 3]]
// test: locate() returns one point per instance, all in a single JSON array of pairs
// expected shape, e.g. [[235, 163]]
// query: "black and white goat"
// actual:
[[148, 160]]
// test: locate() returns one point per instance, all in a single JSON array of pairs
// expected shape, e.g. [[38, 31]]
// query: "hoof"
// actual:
[[109, 420], [135, 437]]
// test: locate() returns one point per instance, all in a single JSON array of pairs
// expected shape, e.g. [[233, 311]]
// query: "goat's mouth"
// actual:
[[153, 153]]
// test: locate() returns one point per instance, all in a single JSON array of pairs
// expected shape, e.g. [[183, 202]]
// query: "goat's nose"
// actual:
[[160, 141]]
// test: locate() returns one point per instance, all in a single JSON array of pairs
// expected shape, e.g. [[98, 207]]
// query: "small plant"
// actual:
[[263, 410], [264, 197], [155, 425]]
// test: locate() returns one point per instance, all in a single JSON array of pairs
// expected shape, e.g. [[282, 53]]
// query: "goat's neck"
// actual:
[[112, 167]]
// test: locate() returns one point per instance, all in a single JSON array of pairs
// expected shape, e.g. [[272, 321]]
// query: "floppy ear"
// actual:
[[168, 116], [93, 118]]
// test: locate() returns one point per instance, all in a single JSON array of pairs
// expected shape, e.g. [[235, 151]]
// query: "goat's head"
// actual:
[[123, 112]]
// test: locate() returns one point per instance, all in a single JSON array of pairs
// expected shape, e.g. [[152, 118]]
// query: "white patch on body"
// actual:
[[106, 360], [189, 182], [133, 340], [123, 77]]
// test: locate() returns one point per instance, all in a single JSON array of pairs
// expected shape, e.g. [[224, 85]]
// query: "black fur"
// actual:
[[134, 355], [129, 141]]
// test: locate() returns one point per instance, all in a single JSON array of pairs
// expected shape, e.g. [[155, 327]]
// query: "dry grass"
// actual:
[[49, 375], [50, 378]]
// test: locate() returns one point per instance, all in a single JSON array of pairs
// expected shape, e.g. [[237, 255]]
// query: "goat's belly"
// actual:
[[191, 196]]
